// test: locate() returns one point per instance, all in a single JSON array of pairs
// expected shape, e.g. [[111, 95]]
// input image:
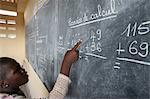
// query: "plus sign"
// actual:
[[119, 50], [93, 37]]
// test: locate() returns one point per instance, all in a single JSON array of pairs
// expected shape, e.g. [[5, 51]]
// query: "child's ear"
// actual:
[[4, 84]]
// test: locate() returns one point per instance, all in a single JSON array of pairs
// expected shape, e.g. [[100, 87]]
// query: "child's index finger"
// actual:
[[77, 45]]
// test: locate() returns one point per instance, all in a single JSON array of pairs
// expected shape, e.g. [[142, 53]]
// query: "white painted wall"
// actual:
[[14, 48], [34, 89]]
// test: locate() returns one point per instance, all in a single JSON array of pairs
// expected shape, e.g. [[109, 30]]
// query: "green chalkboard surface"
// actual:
[[114, 61]]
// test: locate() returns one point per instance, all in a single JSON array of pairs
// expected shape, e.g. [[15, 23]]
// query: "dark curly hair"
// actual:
[[5, 63]]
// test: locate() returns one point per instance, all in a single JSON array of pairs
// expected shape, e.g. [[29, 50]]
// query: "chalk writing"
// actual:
[[102, 14], [133, 61], [143, 48], [95, 36], [119, 50], [136, 47], [142, 29]]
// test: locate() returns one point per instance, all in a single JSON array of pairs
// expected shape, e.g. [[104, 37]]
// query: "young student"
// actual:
[[12, 76]]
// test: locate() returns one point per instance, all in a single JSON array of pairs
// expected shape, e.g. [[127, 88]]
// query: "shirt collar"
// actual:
[[5, 96]]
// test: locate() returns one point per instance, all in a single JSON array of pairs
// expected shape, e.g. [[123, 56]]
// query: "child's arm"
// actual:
[[70, 57], [61, 86]]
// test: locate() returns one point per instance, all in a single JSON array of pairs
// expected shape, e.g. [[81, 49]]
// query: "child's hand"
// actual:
[[70, 57]]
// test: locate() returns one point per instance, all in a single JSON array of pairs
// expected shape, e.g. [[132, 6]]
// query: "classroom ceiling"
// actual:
[[11, 5]]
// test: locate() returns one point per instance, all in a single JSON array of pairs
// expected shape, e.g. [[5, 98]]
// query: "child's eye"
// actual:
[[16, 71]]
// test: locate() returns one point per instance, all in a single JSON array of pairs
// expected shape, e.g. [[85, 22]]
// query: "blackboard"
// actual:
[[40, 43], [114, 58]]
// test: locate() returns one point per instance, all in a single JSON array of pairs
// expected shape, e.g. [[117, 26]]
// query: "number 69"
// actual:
[[143, 47]]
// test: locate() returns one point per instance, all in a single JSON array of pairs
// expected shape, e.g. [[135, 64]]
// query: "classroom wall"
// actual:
[[34, 89], [14, 48]]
